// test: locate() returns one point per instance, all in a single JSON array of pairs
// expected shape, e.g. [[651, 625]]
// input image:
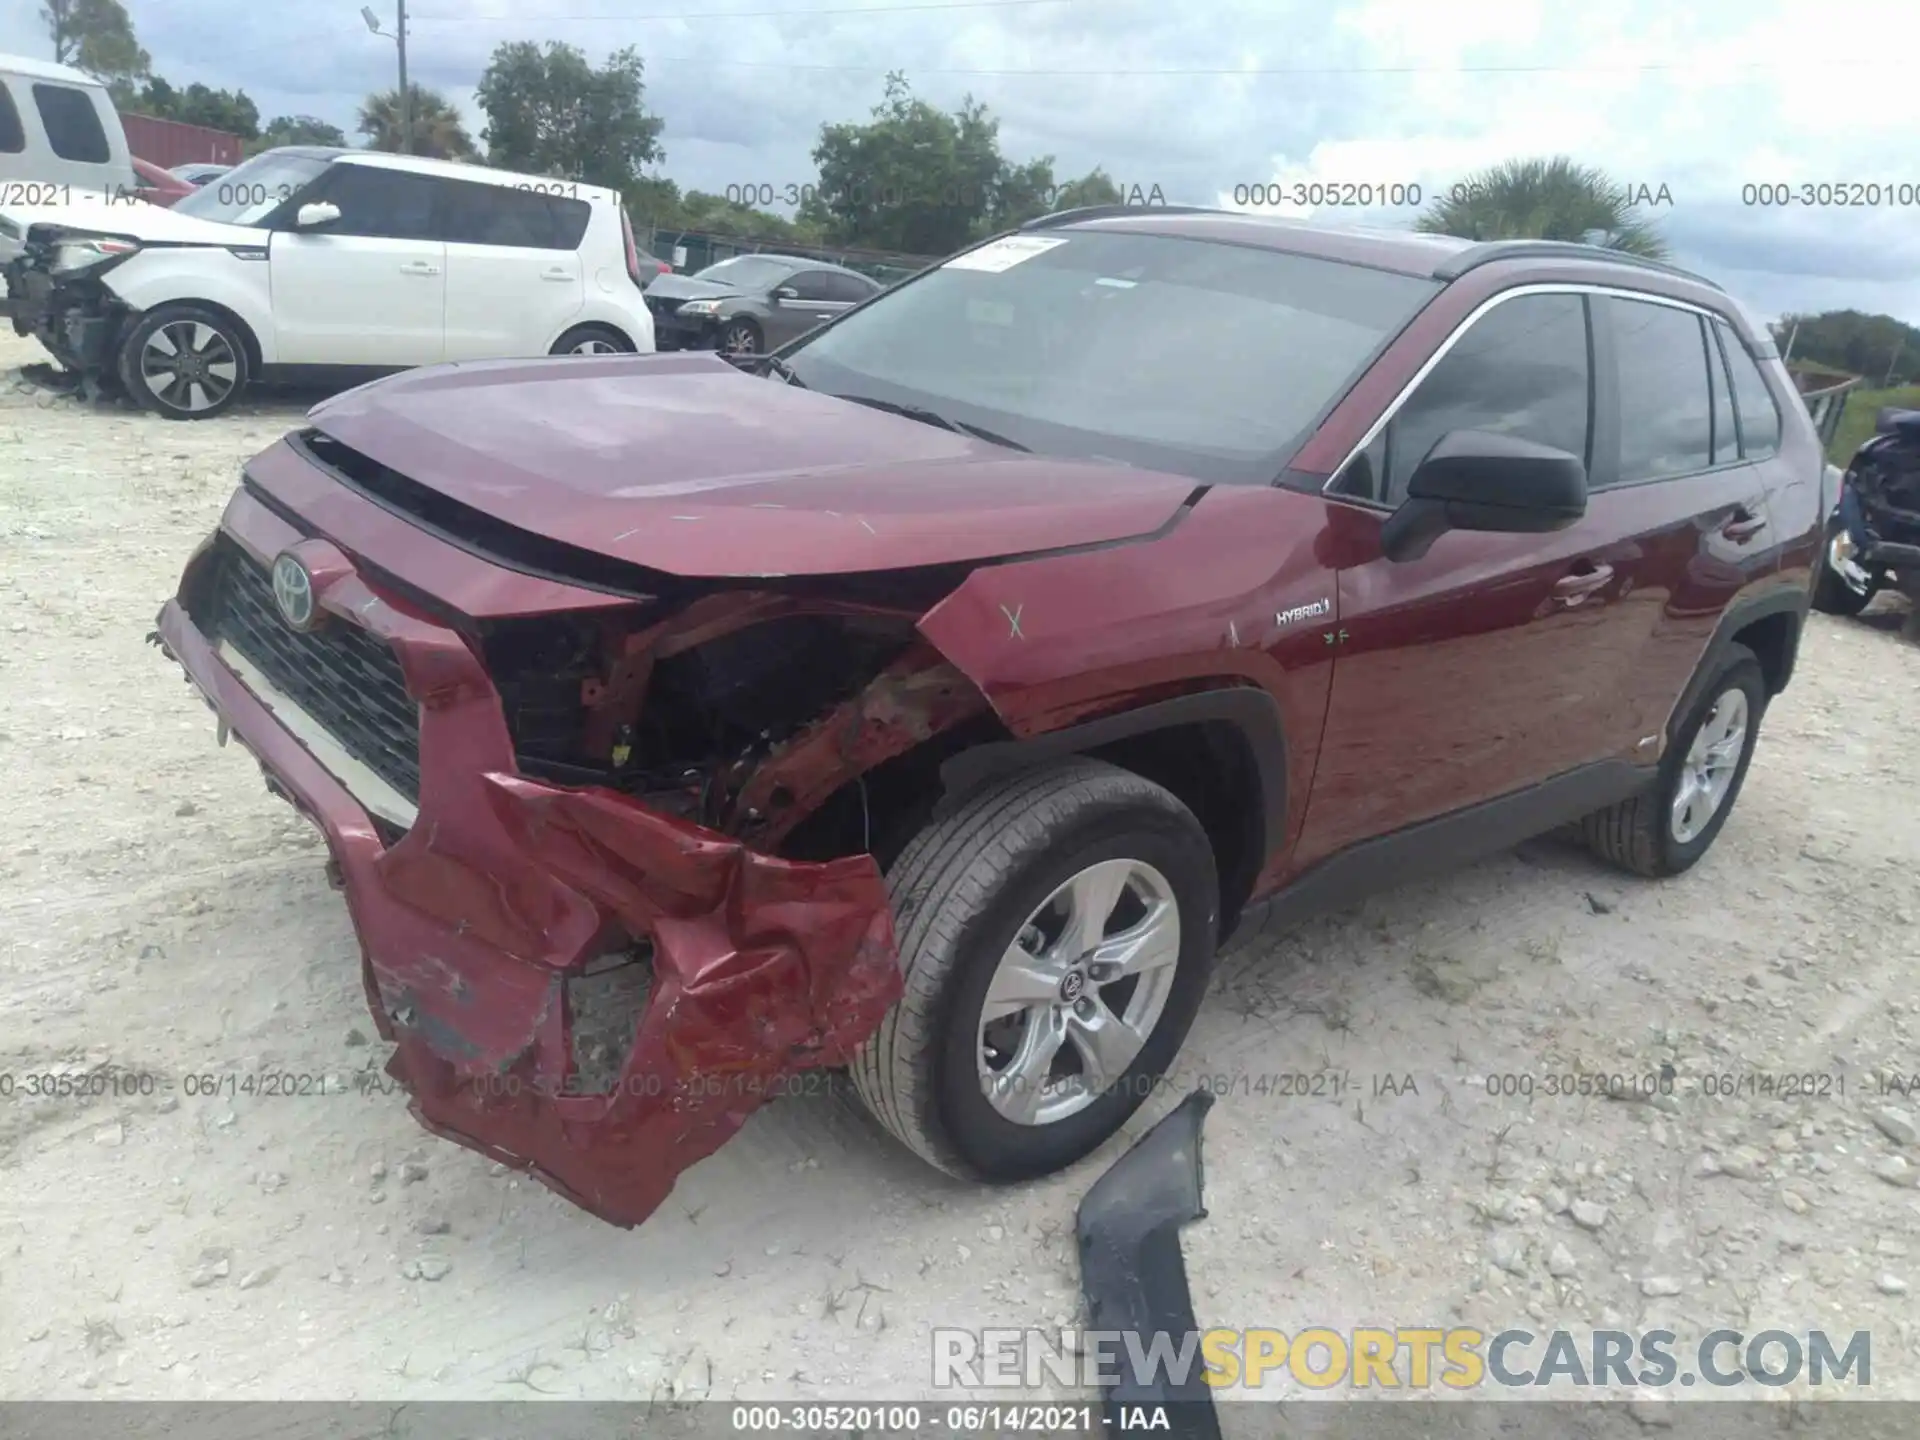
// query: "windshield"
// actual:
[[1203, 359], [747, 272], [246, 193]]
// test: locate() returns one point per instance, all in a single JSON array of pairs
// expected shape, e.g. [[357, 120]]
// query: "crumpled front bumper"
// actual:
[[475, 925]]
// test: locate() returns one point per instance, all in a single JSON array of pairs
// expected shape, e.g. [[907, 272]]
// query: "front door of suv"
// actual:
[[1494, 661], [514, 276], [370, 288]]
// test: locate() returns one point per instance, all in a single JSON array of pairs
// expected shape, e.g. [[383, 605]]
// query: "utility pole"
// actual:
[[399, 37], [1893, 362]]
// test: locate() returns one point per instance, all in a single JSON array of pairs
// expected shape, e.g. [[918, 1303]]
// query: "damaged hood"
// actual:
[[119, 215], [684, 464]]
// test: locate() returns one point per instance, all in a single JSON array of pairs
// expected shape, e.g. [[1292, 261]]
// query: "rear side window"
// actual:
[[1521, 369], [1759, 416], [376, 201], [13, 139], [73, 125], [475, 214], [1666, 408], [1726, 433]]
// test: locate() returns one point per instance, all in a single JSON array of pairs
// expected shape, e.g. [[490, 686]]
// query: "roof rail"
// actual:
[[1103, 212], [1488, 251]]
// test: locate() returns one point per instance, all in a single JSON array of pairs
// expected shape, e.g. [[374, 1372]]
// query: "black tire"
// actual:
[[1832, 594], [1637, 834], [226, 348], [962, 889], [570, 343], [740, 336]]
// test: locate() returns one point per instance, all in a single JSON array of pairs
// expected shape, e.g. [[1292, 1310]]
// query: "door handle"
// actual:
[[556, 274], [1572, 589], [1743, 525], [419, 267]]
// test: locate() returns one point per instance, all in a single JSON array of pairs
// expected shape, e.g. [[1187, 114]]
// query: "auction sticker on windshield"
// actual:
[[1004, 253]]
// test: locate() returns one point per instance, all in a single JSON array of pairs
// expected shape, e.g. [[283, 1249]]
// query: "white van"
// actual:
[[58, 127], [60, 137]]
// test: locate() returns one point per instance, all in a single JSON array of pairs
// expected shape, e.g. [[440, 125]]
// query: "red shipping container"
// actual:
[[168, 143]]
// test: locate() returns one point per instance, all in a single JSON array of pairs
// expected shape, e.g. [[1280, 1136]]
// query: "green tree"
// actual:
[[914, 179], [97, 36], [1554, 199], [549, 112], [296, 130], [437, 131], [657, 202], [230, 110], [1860, 344], [920, 181]]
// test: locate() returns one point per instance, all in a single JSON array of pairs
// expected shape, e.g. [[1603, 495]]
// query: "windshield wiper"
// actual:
[[775, 365], [934, 417]]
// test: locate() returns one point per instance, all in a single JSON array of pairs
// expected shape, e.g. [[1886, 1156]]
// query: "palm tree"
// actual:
[[1544, 200], [437, 131]]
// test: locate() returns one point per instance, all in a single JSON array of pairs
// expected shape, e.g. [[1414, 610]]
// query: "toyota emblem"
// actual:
[[293, 592]]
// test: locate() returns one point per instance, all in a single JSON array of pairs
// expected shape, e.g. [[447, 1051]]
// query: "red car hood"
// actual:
[[685, 464]]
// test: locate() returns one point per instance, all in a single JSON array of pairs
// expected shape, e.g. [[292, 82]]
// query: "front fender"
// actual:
[[204, 274]]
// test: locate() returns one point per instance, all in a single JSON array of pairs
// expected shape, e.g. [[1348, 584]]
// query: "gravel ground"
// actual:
[[164, 918]]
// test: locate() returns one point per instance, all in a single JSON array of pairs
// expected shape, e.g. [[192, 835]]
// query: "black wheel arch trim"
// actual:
[[1785, 600], [1251, 711]]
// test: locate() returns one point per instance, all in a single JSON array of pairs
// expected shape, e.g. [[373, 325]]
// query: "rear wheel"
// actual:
[[1844, 586], [184, 361], [1056, 931], [592, 340], [1667, 828]]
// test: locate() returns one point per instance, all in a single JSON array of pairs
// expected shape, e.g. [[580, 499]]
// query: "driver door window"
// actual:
[[1524, 368], [370, 288]]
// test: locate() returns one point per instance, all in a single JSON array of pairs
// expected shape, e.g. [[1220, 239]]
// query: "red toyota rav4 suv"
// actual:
[[931, 697]]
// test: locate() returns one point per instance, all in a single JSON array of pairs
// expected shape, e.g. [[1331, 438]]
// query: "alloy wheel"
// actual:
[[1078, 992], [595, 345], [1706, 775], [738, 340], [189, 366]]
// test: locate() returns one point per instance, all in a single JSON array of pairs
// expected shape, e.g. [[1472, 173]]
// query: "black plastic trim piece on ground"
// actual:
[[1135, 1278]]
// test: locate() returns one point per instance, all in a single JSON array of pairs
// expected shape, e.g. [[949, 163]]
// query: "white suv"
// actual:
[[323, 264]]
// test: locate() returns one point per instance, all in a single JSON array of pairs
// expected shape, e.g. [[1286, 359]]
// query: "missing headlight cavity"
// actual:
[[605, 1002]]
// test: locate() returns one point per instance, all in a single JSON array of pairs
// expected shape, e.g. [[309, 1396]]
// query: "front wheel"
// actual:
[[184, 361], [1056, 931], [740, 337], [1843, 586]]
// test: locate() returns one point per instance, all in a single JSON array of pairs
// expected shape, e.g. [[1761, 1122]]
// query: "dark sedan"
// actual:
[[751, 303]]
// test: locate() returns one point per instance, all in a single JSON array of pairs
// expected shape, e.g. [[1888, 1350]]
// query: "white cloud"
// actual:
[[1753, 90]]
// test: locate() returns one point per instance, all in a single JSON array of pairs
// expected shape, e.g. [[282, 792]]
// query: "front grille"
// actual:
[[346, 678]]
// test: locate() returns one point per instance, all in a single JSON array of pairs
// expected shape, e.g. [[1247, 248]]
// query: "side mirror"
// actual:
[[316, 214], [1477, 480], [786, 292]]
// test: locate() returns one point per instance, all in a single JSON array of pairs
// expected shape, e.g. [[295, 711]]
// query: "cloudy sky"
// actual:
[[1199, 97]]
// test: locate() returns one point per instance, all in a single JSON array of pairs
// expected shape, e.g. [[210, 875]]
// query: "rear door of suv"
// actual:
[[514, 273], [1687, 490]]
